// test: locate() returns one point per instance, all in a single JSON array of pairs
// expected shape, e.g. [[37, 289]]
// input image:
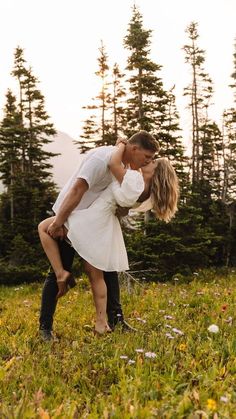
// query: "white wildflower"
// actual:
[[179, 332], [213, 328], [140, 320], [123, 357], [229, 320], [169, 336], [139, 351], [224, 399], [150, 355]]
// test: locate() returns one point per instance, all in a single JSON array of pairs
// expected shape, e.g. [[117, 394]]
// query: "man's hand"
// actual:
[[56, 232], [62, 289], [121, 211]]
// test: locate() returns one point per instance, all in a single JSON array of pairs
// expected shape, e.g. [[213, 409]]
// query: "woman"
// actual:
[[95, 232]]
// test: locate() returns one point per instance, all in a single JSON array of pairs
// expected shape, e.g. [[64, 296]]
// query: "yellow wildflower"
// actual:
[[182, 347], [211, 404]]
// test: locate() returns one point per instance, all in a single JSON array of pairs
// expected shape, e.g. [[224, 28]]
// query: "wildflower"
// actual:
[[224, 399], [211, 404], [182, 347], [195, 273], [179, 332], [131, 362], [224, 307], [150, 355], [167, 325], [140, 320], [123, 357], [200, 293], [168, 335], [139, 351], [213, 328], [168, 317], [176, 279], [229, 320]]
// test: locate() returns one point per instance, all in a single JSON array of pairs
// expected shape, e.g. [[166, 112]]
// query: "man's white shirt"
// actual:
[[94, 169]]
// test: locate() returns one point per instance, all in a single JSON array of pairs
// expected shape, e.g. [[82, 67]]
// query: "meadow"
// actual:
[[173, 367]]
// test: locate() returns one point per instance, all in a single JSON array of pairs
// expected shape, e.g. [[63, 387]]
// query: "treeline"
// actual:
[[203, 232]]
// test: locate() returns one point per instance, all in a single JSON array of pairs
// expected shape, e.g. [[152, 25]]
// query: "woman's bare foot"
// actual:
[[62, 283], [101, 328]]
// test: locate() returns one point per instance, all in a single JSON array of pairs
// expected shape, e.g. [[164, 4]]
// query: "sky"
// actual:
[[61, 39]]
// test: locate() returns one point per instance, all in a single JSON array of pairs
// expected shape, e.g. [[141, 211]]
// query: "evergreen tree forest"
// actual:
[[203, 232], [25, 171]]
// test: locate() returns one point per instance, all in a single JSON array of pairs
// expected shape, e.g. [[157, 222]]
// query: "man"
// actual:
[[89, 180]]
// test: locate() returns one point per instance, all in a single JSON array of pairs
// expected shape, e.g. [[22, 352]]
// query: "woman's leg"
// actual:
[[51, 249], [99, 291]]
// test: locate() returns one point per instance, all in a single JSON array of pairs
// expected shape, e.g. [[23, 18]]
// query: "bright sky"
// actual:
[[61, 40]]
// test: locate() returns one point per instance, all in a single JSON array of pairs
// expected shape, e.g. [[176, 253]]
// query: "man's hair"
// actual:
[[145, 140]]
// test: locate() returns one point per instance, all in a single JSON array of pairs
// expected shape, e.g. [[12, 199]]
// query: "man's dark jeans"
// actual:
[[50, 289]]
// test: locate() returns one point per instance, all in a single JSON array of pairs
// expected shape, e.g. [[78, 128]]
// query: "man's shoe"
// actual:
[[46, 335]]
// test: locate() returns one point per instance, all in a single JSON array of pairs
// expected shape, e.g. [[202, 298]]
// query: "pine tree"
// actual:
[[116, 102], [97, 128], [200, 92], [146, 96]]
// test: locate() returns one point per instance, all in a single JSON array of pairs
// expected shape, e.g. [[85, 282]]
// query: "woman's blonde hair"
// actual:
[[164, 190]]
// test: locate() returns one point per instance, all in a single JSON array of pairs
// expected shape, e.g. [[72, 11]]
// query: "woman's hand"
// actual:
[[121, 141]]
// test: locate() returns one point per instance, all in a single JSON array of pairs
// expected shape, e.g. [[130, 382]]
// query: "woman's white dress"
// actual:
[[95, 232]]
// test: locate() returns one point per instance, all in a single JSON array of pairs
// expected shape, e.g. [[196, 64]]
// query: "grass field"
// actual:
[[172, 368]]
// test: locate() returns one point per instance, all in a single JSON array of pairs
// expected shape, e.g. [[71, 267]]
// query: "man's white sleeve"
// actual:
[[92, 170]]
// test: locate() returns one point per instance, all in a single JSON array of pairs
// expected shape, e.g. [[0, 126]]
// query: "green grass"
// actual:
[[83, 376]]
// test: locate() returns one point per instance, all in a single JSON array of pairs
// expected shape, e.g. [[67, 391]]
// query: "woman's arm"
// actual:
[[115, 164]]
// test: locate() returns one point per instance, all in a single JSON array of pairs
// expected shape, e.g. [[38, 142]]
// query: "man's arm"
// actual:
[[71, 200]]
